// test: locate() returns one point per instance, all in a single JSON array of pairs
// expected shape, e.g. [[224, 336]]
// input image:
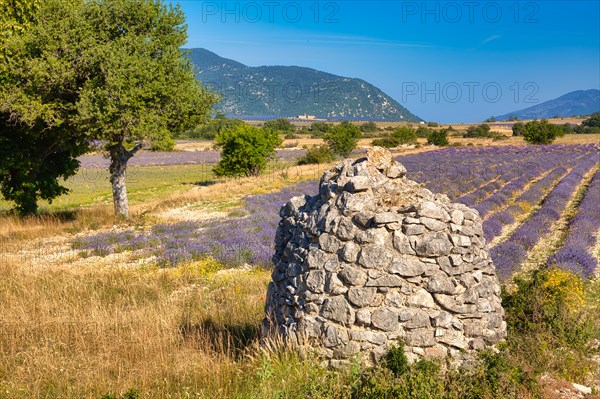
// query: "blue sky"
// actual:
[[447, 61]]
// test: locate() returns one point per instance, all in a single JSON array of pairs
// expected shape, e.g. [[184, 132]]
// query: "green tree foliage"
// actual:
[[438, 137], [541, 132], [32, 160], [405, 135], [245, 150], [592, 121], [212, 127], [567, 128], [112, 69], [483, 131], [517, 128], [590, 125], [280, 126], [513, 118], [318, 129], [41, 75], [17, 16], [479, 131], [423, 132], [342, 138], [316, 155], [402, 135], [141, 88], [368, 127]]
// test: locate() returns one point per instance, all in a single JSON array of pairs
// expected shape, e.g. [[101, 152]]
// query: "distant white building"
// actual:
[[306, 117]]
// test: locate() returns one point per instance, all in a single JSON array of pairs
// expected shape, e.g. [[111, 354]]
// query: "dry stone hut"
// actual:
[[374, 257]]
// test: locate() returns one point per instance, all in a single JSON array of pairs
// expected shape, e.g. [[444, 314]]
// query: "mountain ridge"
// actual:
[[578, 102], [279, 90]]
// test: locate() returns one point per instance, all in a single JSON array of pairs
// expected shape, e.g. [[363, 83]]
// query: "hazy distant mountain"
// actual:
[[292, 90], [580, 102]]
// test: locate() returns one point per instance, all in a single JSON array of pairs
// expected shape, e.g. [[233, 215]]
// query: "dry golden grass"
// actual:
[[14, 229], [227, 193], [82, 333]]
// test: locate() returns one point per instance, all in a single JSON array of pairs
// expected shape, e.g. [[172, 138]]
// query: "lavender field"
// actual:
[[521, 192], [159, 158]]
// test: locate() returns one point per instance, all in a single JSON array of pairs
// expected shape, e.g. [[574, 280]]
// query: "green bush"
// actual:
[[395, 360], [496, 376], [318, 129], [245, 150], [342, 138], [423, 132], [402, 135], [279, 126], [482, 130], [212, 127], [315, 155], [590, 125], [405, 135], [517, 129], [439, 138], [368, 127], [541, 132], [549, 326], [386, 142], [433, 124]]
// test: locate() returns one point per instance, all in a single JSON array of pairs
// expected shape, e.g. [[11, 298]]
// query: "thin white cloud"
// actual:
[[490, 39], [342, 40]]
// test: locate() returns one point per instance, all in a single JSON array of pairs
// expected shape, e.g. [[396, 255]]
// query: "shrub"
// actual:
[[342, 138], [439, 138], [395, 360], [405, 135], [210, 129], [482, 130], [433, 124], [590, 125], [423, 132], [541, 132], [318, 129], [315, 155], [386, 141], [245, 150], [279, 126], [496, 376], [368, 127], [402, 135], [517, 128], [545, 314]]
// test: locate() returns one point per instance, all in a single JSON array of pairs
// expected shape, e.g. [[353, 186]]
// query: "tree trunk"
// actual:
[[27, 203], [119, 157]]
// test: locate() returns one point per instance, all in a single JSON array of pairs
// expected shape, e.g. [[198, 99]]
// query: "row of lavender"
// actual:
[[249, 239], [493, 225], [469, 175], [509, 255], [233, 241], [575, 254]]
